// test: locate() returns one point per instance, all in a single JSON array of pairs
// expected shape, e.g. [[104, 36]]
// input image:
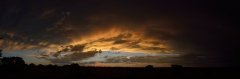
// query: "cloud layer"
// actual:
[[192, 29]]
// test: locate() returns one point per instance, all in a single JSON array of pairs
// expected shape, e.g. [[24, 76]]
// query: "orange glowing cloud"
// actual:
[[122, 40]]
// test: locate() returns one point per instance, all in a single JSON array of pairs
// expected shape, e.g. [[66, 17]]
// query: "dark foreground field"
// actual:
[[76, 72]]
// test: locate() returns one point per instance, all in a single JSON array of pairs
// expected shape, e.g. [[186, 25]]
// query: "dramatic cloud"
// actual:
[[68, 54], [59, 28]]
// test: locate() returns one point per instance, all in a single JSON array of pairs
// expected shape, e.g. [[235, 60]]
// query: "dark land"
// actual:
[[75, 71], [15, 68]]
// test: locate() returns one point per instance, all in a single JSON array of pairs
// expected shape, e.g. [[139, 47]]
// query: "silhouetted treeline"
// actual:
[[74, 71], [15, 68]]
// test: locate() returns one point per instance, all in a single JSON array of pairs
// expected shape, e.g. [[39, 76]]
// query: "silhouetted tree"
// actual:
[[32, 65], [177, 69], [149, 67], [13, 61], [74, 65], [40, 65], [100, 51]]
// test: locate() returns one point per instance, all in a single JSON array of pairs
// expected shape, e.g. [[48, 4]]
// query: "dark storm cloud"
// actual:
[[199, 27], [21, 19], [120, 41], [57, 22], [73, 57], [69, 54], [114, 48], [154, 48]]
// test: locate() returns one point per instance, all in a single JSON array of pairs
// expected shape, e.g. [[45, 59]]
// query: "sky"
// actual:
[[121, 33]]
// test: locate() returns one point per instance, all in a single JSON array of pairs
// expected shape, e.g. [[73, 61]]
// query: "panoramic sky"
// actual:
[[120, 33]]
